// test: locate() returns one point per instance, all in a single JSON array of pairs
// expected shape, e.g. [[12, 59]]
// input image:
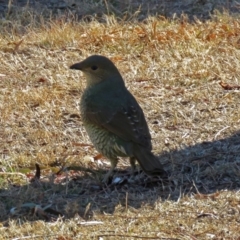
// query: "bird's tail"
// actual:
[[149, 163]]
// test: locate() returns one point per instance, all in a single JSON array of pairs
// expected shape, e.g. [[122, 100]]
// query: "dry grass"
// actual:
[[174, 69]]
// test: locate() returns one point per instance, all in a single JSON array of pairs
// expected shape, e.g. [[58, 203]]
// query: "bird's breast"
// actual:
[[107, 143]]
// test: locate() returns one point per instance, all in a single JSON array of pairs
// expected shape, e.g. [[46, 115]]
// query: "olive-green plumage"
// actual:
[[112, 117]]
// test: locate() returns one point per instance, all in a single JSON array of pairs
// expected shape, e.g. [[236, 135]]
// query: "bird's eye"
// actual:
[[94, 67]]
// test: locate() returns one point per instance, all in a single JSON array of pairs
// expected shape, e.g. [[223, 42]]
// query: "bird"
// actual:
[[113, 119]]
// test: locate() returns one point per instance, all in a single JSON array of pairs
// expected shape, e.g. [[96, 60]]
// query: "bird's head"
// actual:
[[98, 69]]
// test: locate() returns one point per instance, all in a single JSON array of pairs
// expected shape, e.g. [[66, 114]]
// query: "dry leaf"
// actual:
[[226, 86]]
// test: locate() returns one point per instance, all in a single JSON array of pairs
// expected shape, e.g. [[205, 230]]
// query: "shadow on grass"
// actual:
[[127, 10], [204, 168]]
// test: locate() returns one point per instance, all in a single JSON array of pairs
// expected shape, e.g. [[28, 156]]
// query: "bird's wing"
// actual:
[[121, 116]]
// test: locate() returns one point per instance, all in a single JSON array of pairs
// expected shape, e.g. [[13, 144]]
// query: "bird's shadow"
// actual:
[[205, 168]]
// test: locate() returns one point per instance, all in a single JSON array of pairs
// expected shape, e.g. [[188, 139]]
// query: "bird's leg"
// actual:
[[133, 163], [110, 172]]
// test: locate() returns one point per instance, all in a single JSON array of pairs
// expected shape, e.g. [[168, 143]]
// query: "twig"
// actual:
[[134, 236]]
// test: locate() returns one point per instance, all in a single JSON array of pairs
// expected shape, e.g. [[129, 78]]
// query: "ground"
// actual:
[[137, 9], [184, 74]]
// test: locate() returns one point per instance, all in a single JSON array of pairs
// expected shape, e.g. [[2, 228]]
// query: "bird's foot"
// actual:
[[108, 177]]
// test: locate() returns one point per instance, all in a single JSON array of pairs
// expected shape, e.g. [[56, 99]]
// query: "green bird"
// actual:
[[112, 117]]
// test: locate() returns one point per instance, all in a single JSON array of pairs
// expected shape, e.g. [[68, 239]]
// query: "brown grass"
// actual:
[[173, 68]]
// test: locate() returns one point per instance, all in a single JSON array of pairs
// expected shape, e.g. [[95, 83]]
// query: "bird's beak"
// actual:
[[76, 66]]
